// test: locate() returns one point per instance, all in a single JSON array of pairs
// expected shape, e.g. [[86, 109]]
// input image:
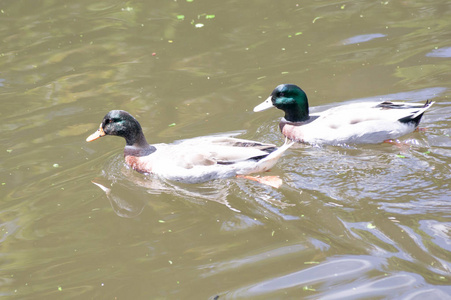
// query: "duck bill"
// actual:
[[99, 133], [264, 105]]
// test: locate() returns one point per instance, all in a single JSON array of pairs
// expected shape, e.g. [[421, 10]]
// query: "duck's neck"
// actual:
[[136, 143], [297, 113], [138, 146], [136, 139], [139, 151]]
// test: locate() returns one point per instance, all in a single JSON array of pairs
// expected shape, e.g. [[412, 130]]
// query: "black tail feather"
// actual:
[[409, 119], [415, 120]]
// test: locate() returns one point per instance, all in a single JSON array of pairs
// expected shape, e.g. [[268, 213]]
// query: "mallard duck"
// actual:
[[356, 123], [191, 161]]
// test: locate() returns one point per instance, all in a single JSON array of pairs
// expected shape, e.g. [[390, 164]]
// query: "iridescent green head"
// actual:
[[291, 99], [120, 123]]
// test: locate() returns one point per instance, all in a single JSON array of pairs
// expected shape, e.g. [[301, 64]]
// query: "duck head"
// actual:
[[121, 123], [291, 99]]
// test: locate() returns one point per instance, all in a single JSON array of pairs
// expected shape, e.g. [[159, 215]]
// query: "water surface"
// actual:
[[352, 222]]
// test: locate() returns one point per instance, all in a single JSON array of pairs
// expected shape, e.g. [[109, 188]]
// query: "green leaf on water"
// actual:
[[400, 156], [180, 17], [210, 16], [171, 125], [370, 226]]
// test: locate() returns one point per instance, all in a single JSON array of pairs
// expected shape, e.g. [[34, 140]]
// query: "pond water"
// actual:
[[352, 222]]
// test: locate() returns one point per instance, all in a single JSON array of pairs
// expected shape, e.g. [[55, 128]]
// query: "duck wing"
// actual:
[[219, 150], [414, 112], [387, 112]]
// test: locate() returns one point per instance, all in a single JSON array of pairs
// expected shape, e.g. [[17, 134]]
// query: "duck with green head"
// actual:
[[356, 123], [191, 161]]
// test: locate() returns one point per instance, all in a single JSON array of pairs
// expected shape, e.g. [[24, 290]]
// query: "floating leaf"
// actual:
[[370, 226], [317, 18], [210, 16], [171, 125], [180, 17], [400, 156]]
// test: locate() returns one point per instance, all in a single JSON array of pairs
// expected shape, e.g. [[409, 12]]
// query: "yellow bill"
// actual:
[[99, 133]]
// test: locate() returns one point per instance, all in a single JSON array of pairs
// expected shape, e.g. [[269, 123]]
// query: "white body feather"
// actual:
[[356, 123], [359, 123], [202, 159]]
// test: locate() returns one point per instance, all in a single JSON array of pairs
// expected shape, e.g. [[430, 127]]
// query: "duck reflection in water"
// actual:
[[128, 191]]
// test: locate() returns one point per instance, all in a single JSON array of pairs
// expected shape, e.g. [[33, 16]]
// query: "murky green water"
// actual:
[[366, 222]]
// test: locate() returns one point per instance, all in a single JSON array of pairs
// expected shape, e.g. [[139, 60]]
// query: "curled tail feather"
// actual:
[[416, 116]]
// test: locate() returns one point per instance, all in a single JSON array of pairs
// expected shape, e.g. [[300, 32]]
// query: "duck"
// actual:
[[355, 123], [192, 160]]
